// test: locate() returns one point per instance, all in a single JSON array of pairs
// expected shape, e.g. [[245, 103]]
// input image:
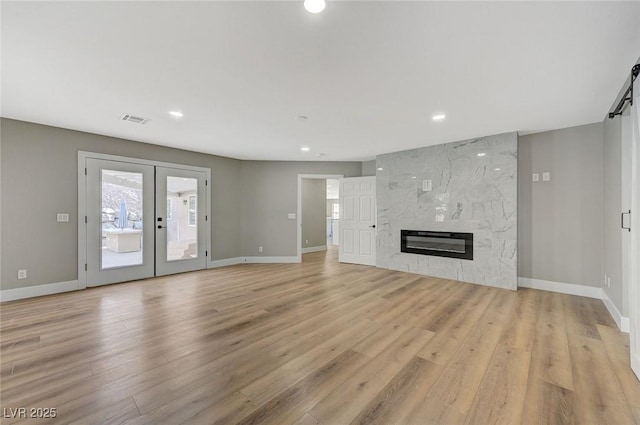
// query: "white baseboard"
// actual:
[[226, 262], [264, 260], [563, 288], [251, 260], [72, 285], [314, 249], [38, 290], [622, 322], [580, 290]]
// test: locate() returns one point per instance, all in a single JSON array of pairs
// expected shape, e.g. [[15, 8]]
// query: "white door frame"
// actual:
[[82, 202], [299, 212]]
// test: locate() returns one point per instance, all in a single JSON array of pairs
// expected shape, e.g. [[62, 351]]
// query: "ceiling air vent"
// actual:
[[133, 119]]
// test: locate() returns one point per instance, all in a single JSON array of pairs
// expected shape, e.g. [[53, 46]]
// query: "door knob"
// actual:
[[373, 227]]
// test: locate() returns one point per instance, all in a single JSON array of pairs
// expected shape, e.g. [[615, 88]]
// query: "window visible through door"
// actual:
[[193, 212]]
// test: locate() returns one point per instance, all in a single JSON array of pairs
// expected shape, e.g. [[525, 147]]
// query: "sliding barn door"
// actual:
[[634, 224]]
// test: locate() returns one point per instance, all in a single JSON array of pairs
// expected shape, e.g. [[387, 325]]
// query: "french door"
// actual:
[[180, 210], [142, 220]]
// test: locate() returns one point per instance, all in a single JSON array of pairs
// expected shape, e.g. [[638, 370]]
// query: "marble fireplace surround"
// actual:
[[474, 189]]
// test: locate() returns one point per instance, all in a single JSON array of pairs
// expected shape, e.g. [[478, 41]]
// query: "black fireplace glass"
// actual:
[[441, 244]]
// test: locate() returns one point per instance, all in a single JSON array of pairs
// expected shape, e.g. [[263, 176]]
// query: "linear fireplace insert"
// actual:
[[442, 244]]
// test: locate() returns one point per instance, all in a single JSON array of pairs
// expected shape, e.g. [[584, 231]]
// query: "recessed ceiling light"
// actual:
[[496, 169], [380, 168], [438, 117], [482, 154], [305, 149], [314, 6], [176, 114], [413, 177]]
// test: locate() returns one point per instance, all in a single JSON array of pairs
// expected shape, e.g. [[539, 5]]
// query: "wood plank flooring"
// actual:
[[314, 343]]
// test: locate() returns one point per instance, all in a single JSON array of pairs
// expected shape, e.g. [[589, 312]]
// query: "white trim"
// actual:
[[299, 208], [38, 290], [621, 321], [95, 155], [263, 260], [580, 290], [226, 262], [82, 213], [563, 288], [314, 249]]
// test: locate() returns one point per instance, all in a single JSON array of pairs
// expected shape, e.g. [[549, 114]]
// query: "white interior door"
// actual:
[[181, 236], [634, 263], [358, 220], [120, 241]]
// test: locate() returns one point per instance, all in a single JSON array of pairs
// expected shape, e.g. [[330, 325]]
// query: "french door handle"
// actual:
[[162, 227], [622, 220]]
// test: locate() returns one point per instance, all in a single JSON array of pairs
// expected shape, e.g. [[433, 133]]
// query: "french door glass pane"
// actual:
[[121, 198], [182, 229]]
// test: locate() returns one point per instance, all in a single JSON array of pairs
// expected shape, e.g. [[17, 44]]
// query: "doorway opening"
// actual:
[[333, 212], [317, 229]]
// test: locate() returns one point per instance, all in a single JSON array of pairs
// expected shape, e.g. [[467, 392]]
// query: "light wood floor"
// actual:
[[315, 343]]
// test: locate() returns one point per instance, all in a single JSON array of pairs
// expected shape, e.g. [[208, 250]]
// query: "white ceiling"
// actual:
[[369, 75]]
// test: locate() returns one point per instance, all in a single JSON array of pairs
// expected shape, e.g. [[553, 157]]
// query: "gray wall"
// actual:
[[369, 168], [269, 193], [39, 179], [314, 220], [612, 185], [560, 221], [471, 193]]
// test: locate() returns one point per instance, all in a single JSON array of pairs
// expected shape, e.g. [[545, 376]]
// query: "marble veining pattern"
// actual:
[[470, 193]]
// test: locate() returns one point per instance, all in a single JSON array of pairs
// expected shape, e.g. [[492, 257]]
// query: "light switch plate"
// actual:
[[535, 177], [427, 186], [546, 177], [62, 218], [291, 216]]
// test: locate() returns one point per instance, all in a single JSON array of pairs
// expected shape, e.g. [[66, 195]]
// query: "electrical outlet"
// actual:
[[259, 249], [609, 281], [535, 177], [62, 218], [306, 242], [22, 274]]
